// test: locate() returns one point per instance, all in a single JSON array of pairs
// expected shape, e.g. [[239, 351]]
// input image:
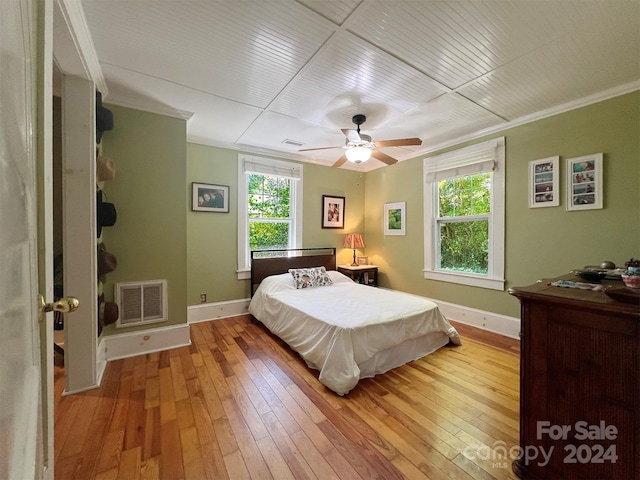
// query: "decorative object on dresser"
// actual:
[[354, 241], [579, 383], [333, 211], [394, 218]]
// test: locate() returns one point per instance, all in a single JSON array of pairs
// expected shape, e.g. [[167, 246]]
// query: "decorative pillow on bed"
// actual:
[[310, 277]]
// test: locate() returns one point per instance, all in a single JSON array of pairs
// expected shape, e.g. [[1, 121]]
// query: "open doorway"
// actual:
[[58, 277]]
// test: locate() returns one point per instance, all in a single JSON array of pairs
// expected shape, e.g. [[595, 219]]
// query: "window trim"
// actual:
[[451, 162], [270, 167]]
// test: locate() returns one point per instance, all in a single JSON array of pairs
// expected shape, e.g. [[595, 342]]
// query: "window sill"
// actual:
[[465, 279], [243, 274]]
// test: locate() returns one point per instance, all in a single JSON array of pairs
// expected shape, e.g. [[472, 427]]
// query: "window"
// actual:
[[269, 207], [464, 215]]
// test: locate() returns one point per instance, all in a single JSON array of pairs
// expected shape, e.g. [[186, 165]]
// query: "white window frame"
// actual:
[[482, 157], [267, 166]]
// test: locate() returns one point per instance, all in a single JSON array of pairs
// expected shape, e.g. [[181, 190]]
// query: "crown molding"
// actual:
[[557, 110], [76, 54]]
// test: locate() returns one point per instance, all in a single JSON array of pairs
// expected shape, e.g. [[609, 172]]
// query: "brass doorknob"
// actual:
[[64, 305]]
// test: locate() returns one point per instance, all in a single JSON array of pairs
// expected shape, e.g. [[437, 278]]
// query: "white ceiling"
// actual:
[[251, 74]]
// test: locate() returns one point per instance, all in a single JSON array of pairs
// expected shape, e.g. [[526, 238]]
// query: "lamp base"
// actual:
[[354, 264]]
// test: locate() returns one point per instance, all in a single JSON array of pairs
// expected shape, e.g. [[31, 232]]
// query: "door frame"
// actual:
[[44, 196], [75, 58]]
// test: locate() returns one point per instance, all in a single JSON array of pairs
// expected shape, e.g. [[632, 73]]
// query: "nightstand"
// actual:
[[365, 274]]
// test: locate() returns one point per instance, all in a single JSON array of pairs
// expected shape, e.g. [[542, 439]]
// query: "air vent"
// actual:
[[293, 143], [140, 303]]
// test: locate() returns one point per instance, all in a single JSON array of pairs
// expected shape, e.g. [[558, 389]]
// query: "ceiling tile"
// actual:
[[349, 77], [576, 66], [243, 51], [335, 10], [251, 73]]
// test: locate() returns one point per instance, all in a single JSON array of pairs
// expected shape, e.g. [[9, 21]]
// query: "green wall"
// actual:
[[540, 242], [149, 191], [212, 252], [158, 236]]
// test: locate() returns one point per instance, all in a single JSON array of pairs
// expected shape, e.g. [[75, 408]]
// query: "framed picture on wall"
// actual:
[[332, 211], [584, 182], [544, 182], [394, 218], [207, 197]]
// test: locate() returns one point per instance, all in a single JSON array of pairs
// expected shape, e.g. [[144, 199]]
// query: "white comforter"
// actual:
[[349, 331]]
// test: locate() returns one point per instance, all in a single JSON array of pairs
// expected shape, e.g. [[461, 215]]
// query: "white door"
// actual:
[[21, 442]]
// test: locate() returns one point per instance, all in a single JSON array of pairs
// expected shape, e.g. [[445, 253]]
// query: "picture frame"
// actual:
[[544, 182], [333, 211], [363, 260], [208, 197], [584, 182], [394, 218]]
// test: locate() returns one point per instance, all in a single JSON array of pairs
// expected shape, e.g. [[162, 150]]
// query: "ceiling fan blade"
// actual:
[[352, 135], [400, 142], [340, 161], [383, 157], [319, 148]]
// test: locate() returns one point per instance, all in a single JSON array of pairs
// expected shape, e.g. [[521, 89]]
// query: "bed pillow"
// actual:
[[310, 277]]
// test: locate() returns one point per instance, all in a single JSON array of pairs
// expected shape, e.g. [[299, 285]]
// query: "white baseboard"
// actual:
[[141, 342], [145, 341], [493, 322], [213, 311], [101, 359]]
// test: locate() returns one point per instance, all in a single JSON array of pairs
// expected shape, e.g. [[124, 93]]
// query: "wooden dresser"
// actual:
[[579, 384]]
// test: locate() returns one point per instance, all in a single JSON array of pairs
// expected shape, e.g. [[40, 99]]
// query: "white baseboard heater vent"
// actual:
[[141, 303]]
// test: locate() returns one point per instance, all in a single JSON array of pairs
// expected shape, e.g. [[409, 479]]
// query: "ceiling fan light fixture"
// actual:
[[358, 154]]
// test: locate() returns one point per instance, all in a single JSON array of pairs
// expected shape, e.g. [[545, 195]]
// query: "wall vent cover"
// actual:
[[141, 303]]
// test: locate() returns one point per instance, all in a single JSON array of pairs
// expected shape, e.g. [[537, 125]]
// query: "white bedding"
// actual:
[[349, 331]]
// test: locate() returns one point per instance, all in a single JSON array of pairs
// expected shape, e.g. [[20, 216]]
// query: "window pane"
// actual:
[[268, 197], [463, 196], [268, 235], [464, 246]]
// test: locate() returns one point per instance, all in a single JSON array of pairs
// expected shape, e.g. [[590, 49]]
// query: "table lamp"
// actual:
[[354, 240]]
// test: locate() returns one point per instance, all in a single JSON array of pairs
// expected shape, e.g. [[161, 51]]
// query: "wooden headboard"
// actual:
[[280, 261]]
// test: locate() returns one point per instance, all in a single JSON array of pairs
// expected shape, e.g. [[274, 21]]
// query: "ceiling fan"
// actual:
[[359, 147]]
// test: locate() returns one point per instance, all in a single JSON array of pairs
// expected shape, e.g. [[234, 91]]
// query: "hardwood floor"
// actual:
[[239, 404]]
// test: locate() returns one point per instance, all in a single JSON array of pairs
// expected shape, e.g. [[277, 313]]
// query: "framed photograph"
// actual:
[[206, 197], [544, 182], [363, 260], [332, 211], [394, 218], [584, 182]]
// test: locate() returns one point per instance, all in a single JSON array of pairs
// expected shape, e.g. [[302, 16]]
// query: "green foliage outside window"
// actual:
[[269, 199], [464, 244], [268, 235]]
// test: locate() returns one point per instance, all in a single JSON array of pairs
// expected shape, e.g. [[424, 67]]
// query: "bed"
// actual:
[[345, 330]]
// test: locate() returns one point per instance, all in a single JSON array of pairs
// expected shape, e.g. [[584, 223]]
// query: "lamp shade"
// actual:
[[358, 154], [354, 240]]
